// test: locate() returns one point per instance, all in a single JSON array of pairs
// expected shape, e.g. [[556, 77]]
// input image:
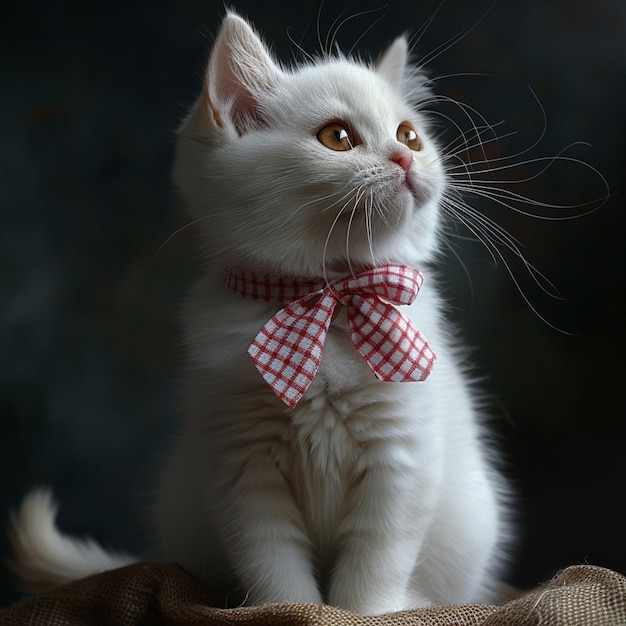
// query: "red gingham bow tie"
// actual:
[[288, 349]]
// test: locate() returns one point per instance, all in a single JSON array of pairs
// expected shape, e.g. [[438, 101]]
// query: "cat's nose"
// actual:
[[404, 159]]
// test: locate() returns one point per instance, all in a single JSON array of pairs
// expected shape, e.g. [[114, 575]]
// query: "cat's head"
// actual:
[[314, 170]]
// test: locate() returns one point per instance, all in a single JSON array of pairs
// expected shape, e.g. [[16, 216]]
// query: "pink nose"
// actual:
[[403, 159]]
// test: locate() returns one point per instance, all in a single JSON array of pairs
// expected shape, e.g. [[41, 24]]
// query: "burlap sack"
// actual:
[[166, 595]]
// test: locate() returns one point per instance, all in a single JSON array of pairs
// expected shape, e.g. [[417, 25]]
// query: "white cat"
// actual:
[[369, 495]]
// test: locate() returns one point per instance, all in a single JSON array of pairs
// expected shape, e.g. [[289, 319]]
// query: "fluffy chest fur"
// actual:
[[348, 426]]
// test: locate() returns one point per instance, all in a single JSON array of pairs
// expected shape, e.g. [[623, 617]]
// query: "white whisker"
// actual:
[[177, 232], [368, 227], [329, 235], [455, 39], [492, 236]]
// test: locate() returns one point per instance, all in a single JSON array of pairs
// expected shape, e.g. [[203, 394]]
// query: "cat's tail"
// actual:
[[43, 557]]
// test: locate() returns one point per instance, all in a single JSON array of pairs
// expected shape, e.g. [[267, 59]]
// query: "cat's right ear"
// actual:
[[240, 70], [392, 64]]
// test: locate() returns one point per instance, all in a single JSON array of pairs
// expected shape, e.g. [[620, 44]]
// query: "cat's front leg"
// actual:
[[380, 540], [265, 538]]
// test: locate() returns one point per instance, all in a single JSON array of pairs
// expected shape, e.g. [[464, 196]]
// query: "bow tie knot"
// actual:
[[287, 351]]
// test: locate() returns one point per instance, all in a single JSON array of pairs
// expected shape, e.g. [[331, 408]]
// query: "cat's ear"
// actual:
[[392, 64], [240, 70]]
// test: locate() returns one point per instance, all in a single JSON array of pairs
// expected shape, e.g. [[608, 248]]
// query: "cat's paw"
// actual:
[[370, 605], [297, 595]]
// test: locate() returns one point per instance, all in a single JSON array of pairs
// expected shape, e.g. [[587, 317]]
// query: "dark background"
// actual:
[[91, 96]]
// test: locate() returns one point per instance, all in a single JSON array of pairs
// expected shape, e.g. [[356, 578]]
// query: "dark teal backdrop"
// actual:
[[91, 96]]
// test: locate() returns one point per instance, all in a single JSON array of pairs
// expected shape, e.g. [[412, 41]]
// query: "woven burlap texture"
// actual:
[[166, 595]]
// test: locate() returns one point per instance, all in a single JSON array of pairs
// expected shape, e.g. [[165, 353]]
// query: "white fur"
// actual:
[[44, 558], [371, 496]]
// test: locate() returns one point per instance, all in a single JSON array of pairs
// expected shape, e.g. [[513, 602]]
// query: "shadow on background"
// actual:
[[92, 94]]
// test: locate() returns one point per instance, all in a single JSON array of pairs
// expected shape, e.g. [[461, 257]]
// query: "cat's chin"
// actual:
[[345, 267]]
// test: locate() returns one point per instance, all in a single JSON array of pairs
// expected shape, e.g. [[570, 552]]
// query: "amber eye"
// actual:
[[406, 134], [336, 136]]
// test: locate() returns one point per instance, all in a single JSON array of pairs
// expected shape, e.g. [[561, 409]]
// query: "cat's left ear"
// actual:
[[393, 63], [240, 71]]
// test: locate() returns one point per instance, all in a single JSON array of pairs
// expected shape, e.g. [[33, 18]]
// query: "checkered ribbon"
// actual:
[[288, 349]]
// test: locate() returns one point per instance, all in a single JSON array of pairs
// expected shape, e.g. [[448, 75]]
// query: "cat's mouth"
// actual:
[[405, 181]]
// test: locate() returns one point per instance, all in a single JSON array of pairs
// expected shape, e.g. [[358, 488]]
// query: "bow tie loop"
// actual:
[[397, 284], [287, 351]]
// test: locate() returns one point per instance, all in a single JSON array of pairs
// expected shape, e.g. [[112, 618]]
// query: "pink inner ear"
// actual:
[[243, 105], [230, 88], [240, 70], [244, 109]]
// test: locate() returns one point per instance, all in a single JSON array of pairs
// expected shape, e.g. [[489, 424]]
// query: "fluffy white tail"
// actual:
[[45, 558]]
